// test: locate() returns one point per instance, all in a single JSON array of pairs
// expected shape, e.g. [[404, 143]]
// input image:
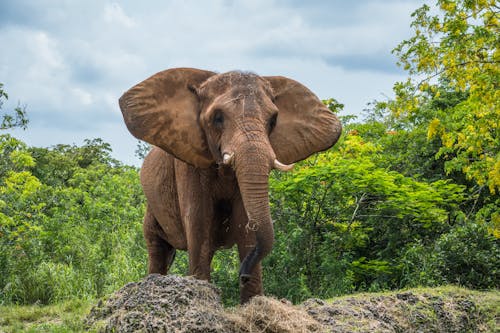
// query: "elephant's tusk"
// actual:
[[282, 167], [227, 159]]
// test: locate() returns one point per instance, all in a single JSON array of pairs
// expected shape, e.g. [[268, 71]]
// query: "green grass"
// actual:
[[63, 317]]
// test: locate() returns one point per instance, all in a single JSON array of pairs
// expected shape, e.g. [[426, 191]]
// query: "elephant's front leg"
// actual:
[[197, 213], [200, 250], [245, 239]]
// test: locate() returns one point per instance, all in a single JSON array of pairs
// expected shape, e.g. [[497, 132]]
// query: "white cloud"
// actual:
[[46, 49], [113, 13], [70, 61], [84, 97]]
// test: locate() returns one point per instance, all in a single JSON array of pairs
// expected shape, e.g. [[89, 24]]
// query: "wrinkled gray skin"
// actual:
[[217, 138]]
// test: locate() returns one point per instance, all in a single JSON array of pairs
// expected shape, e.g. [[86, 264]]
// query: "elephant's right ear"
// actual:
[[304, 126], [163, 110]]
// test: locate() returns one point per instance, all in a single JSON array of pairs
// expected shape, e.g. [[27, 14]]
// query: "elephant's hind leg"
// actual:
[[160, 253]]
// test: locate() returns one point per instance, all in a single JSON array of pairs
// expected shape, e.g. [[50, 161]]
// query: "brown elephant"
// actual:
[[216, 138]]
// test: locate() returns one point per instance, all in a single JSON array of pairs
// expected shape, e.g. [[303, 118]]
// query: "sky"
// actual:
[[69, 61]]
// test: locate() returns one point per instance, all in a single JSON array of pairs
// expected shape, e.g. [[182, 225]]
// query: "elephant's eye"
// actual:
[[272, 122], [218, 118]]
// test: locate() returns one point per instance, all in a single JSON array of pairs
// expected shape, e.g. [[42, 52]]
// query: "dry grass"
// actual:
[[175, 304], [266, 314]]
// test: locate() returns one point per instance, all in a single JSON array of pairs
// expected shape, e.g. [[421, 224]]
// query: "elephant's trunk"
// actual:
[[252, 168]]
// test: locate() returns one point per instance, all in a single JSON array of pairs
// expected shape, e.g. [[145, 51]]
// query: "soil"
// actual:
[[177, 304]]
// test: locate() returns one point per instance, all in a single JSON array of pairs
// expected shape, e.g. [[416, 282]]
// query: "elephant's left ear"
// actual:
[[304, 125]]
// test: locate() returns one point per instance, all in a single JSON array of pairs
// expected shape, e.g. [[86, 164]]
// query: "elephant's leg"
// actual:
[[200, 258], [252, 286], [197, 213], [160, 253], [200, 242]]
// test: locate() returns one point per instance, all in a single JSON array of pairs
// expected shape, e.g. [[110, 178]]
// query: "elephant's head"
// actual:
[[249, 122]]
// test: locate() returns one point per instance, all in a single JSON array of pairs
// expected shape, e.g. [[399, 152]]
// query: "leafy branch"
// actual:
[[17, 119]]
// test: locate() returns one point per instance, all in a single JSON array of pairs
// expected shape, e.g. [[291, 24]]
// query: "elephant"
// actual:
[[215, 139]]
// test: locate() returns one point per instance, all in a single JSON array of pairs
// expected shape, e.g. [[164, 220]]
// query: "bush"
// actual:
[[75, 233], [468, 255]]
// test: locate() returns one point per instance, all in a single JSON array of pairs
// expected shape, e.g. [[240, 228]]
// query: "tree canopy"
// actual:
[[456, 51]]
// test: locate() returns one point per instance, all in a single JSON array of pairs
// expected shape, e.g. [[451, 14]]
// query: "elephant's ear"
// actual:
[[304, 125], [164, 111]]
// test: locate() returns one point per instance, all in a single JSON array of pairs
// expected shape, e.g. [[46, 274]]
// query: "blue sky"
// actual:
[[70, 61]]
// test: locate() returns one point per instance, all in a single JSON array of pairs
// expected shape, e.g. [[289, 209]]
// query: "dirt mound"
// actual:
[[176, 304], [404, 312], [161, 304]]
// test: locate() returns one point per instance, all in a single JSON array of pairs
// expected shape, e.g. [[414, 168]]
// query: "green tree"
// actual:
[[342, 221], [70, 222], [456, 50]]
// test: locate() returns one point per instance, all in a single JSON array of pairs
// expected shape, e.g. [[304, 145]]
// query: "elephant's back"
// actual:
[[159, 186]]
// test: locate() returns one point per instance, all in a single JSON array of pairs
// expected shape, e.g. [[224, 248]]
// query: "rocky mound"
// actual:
[[176, 304]]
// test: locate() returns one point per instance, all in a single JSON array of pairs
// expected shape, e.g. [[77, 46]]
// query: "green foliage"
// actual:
[[14, 119], [456, 51], [467, 255], [334, 105], [64, 317], [343, 221], [65, 234]]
